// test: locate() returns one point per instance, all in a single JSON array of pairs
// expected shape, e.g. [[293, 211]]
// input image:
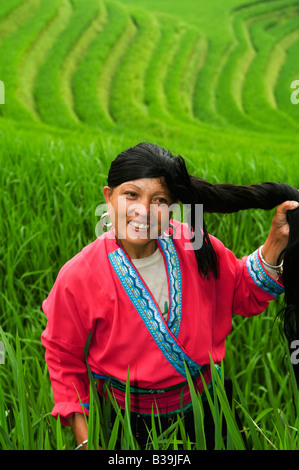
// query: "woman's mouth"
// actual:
[[139, 225]]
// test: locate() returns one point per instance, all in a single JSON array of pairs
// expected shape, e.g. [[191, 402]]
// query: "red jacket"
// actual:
[[99, 290]]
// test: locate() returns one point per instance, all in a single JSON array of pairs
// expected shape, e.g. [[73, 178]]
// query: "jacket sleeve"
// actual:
[[64, 339], [253, 286]]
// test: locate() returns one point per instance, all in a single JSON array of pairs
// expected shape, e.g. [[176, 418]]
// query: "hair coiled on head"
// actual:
[[151, 161]]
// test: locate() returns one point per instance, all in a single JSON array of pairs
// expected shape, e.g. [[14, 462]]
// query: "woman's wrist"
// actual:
[[273, 251], [80, 430], [272, 254], [274, 270]]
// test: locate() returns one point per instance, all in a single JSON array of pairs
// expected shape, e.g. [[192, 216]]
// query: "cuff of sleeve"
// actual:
[[65, 410], [261, 277]]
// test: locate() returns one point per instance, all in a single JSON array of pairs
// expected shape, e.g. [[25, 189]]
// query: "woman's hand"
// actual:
[[80, 430], [278, 237]]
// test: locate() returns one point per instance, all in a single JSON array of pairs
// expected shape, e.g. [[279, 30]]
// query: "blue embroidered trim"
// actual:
[[97, 376], [174, 275], [149, 313], [260, 276]]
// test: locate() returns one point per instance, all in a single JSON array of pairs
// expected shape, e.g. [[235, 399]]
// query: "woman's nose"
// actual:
[[141, 208]]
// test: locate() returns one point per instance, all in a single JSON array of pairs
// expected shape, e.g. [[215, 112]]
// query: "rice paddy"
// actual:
[[85, 79]]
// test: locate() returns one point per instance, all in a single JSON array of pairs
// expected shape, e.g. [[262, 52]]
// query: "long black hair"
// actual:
[[147, 160]]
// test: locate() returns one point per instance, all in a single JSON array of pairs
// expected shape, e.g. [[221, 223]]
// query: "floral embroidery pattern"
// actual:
[[174, 276], [260, 276], [147, 309]]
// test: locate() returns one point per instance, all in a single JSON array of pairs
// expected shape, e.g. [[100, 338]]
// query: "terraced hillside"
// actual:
[[134, 67]]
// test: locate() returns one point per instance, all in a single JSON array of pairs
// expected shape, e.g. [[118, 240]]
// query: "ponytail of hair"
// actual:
[[228, 198]]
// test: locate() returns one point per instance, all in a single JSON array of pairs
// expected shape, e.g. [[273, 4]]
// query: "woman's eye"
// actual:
[[130, 194], [161, 200]]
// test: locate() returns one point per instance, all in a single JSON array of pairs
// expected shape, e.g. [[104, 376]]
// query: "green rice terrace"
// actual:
[[81, 80]]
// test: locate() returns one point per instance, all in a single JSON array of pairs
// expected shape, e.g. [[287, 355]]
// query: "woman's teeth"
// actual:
[[138, 225]]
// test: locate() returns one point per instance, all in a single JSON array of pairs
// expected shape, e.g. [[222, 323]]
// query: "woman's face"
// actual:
[[139, 212]]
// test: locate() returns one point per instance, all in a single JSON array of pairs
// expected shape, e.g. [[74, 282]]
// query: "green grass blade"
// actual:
[[232, 427], [103, 428], [59, 440], [114, 432], [253, 433], [154, 435], [129, 440], [200, 439], [5, 441]]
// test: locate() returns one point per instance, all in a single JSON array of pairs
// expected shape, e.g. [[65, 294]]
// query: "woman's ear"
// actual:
[[107, 194]]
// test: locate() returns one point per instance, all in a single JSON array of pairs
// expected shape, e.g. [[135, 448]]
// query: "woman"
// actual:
[[154, 296]]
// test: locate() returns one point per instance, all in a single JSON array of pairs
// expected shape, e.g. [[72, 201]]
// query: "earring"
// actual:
[[103, 223], [170, 235]]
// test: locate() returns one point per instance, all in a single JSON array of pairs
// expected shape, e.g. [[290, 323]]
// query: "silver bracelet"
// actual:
[[81, 445], [278, 267]]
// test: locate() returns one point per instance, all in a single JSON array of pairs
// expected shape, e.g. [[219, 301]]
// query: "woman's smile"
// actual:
[[139, 226]]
